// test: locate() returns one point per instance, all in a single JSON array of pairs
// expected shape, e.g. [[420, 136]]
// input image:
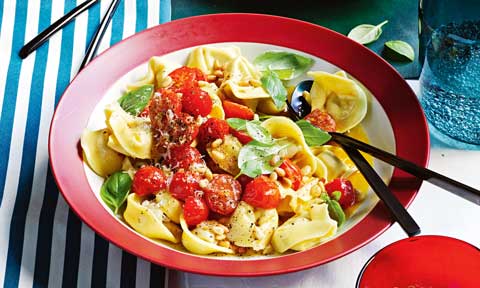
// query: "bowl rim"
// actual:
[[400, 104]]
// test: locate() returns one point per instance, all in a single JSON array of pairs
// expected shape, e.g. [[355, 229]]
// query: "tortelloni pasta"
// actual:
[[340, 96], [203, 155]]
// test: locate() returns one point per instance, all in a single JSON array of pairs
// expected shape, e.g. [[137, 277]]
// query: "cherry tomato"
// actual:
[[212, 129], [148, 180], [184, 184], [182, 157], [196, 102], [242, 136], [235, 110], [185, 77], [347, 193], [293, 173], [222, 194], [195, 210], [164, 100], [322, 120], [262, 192]]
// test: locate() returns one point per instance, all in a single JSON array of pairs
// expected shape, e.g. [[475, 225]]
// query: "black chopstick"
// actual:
[[33, 44], [457, 188], [399, 212], [97, 37]]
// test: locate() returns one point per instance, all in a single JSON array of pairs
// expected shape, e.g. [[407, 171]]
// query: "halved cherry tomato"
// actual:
[[222, 194], [347, 193], [322, 120], [182, 157], [184, 184], [235, 110], [196, 102], [185, 77], [262, 192], [212, 129], [195, 210], [293, 173], [242, 136], [164, 100], [148, 180]]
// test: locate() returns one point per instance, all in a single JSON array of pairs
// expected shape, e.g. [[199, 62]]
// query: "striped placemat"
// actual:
[[42, 242]]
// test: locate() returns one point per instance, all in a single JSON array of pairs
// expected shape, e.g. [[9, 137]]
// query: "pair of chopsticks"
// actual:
[[60, 23], [352, 147]]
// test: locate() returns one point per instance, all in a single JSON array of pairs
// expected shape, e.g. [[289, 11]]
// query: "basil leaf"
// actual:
[[237, 123], [275, 88], [115, 190], [401, 50], [286, 65], [366, 33], [314, 136], [135, 101], [258, 132], [254, 158], [336, 212]]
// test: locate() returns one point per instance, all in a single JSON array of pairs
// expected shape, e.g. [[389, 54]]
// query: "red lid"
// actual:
[[423, 261]]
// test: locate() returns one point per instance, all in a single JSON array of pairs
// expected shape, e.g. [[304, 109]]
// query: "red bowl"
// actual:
[[423, 261], [86, 90]]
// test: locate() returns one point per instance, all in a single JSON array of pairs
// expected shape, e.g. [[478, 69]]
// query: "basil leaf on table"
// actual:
[[254, 158], [402, 50], [366, 33], [314, 136], [136, 100], [115, 190], [286, 65], [275, 88]]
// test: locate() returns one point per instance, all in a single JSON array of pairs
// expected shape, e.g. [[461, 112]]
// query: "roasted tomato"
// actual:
[[185, 77], [293, 173], [322, 120], [347, 193], [235, 110], [242, 136], [211, 130], [222, 194], [182, 157], [262, 192], [196, 102], [195, 210], [244, 180], [148, 180], [164, 100], [184, 184]]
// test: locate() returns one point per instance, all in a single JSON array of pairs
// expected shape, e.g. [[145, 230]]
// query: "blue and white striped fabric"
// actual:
[[42, 242]]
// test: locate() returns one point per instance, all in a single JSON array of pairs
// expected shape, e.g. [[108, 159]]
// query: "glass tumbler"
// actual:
[[450, 78]]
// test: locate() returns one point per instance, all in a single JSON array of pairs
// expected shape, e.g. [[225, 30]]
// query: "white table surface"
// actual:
[[436, 211]]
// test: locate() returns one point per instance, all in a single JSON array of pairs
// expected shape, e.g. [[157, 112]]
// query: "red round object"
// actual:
[[74, 110], [235, 110], [195, 210], [292, 172], [212, 129], [148, 180], [423, 261], [186, 77], [345, 187], [322, 120], [184, 184], [182, 157], [196, 102], [262, 192], [222, 194]]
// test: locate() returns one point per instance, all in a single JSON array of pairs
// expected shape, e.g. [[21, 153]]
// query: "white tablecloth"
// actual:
[[436, 211]]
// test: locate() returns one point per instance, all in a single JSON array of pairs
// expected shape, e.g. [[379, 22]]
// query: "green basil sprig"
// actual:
[[274, 86], [399, 50], [136, 100], [115, 190], [255, 157], [334, 209], [314, 136], [286, 65], [366, 33], [254, 129]]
